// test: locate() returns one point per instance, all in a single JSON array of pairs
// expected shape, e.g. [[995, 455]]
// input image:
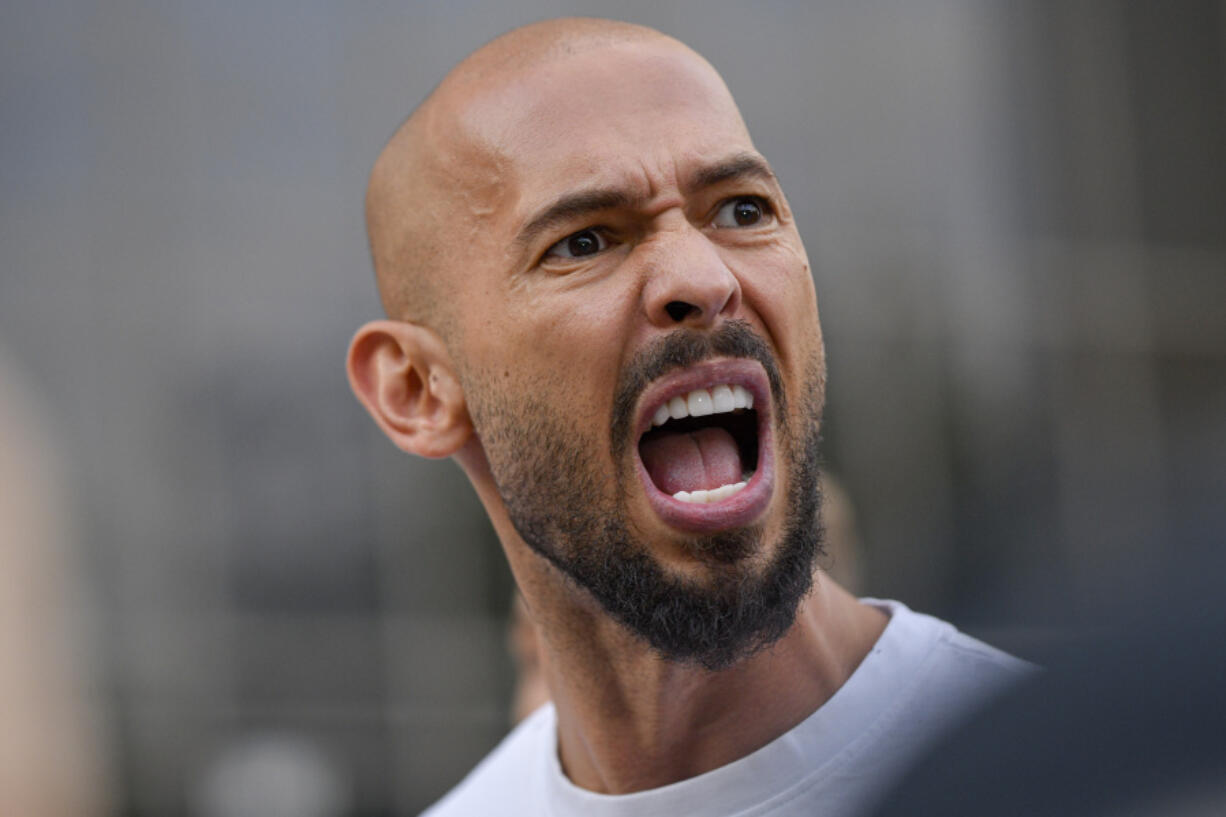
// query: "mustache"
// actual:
[[682, 348]]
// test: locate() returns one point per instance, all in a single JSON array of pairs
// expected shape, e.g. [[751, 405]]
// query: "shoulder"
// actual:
[[942, 640], [505, 782], [947, 664]]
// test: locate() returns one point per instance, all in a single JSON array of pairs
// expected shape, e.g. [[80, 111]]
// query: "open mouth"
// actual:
[[704, 450], [703, 446]]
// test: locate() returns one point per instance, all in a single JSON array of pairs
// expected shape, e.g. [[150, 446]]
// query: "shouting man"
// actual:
[[600, 307]]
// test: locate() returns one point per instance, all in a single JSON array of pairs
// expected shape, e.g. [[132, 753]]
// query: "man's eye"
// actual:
[[745, 211], [586, 242]]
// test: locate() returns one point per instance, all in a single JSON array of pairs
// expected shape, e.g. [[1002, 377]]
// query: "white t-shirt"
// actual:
[[918, 677]]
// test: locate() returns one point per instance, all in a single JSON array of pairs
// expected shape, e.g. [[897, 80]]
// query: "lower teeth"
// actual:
[[703, 497]]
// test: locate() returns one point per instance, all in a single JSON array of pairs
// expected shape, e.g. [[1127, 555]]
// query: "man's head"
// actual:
[[601, 306]]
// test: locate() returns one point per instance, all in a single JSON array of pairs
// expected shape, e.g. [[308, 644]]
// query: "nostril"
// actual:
[[680, 310]]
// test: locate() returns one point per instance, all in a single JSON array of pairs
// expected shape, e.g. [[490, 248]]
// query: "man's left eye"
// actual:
[[745, 211], [579, 245]]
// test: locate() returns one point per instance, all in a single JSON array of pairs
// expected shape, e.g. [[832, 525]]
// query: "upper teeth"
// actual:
[[702, 402]]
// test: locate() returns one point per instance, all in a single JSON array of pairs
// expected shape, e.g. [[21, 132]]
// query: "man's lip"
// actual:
[[747, 505], [743, 372]]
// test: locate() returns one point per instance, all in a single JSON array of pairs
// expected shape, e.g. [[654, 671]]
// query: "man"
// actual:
[[600, 307]]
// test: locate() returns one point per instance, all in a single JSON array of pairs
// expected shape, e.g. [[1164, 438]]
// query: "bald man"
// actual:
[[600, 307]]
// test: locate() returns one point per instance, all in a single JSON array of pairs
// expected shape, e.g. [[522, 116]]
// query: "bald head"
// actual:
[[438, 179]]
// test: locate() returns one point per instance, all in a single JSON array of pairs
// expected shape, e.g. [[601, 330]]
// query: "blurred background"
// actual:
[[223, 593]]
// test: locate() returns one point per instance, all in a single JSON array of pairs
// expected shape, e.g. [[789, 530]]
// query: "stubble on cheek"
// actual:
[[544, 466]]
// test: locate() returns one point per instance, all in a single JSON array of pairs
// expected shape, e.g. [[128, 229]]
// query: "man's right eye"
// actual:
[[582, 243]]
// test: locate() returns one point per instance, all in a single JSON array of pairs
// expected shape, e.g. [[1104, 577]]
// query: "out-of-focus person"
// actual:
[[51, 763], [1127, 719]]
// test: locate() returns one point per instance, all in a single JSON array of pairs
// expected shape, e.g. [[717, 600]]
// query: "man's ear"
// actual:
[[403, 374]]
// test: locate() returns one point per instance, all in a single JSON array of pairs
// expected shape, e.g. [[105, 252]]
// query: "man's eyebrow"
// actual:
[[743, 165], [585, 202], [570, 207]]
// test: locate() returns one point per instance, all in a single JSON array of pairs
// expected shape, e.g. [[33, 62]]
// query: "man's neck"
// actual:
[[629, 720]]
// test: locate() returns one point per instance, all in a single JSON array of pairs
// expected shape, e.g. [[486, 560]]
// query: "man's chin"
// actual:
[[734, 549], [733, 597]]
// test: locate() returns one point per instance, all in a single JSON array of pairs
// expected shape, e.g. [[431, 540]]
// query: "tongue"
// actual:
[[690, 461]]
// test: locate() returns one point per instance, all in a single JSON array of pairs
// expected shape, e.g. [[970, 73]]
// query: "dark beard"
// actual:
[[551, 489]]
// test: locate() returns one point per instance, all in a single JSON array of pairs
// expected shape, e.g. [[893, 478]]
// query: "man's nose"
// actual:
[[687, 281]]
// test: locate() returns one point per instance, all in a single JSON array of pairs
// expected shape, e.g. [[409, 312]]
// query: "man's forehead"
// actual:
[[596, 115]]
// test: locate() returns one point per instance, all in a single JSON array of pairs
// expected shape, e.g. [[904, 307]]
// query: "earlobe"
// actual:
[[402, 374]]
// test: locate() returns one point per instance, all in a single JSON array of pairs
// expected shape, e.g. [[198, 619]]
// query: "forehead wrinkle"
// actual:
[[739, 166], [573, 206]]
